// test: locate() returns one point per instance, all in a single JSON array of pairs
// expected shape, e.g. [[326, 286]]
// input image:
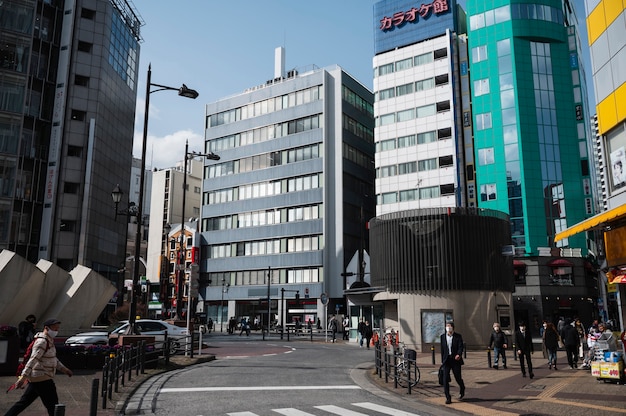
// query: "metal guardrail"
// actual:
[[402, 369]]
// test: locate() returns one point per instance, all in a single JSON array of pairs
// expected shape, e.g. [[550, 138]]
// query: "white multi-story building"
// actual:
[[288, 197], [421, 98]]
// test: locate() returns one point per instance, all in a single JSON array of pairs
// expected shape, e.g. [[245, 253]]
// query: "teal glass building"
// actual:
[[529, 120]]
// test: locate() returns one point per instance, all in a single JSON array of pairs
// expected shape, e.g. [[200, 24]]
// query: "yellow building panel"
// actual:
[[612, 9], [620, 102], [596, 23], [607, 114]]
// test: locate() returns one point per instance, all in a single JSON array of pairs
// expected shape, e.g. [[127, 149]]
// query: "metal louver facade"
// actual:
[[426, 251]]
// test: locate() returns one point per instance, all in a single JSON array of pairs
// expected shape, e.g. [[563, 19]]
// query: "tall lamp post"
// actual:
[[183, 91], [131, 210], [225, 287]]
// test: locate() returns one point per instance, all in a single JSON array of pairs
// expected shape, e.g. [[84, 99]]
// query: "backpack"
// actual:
[[27, 355]]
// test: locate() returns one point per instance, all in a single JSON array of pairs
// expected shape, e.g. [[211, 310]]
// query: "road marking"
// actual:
[[383, 409], [336, 410], [256, 388], [292, 412]]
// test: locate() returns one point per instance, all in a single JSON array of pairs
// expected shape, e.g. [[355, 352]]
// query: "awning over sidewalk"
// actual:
[[596, 221]]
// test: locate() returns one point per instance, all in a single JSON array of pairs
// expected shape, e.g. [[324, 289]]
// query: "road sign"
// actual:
[[324, 299]]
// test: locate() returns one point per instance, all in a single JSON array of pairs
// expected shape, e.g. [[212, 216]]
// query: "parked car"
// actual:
[[151, 327]]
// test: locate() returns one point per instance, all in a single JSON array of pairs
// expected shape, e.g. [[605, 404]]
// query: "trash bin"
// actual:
[[9, 355]]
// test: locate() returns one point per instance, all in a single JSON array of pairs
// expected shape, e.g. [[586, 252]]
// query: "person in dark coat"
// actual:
[[367, 333], [361, 330], [571, 340], [499, 342], [524, 343], [26, 331], [452, 359], [551, 342]]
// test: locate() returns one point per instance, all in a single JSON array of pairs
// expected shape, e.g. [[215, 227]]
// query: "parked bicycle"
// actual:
[[407, 369]]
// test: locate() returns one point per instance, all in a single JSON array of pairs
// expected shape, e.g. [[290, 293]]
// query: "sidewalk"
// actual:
[[506, 392]]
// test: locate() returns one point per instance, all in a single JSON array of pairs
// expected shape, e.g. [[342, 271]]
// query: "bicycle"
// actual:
[[407, 369]]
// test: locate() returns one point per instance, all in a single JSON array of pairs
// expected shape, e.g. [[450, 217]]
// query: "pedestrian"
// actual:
[[551, 344], [39, 371], [524, 343], [361, 331], [452, 359], [245, 327], [582, 338], [542, 330], [332, 327], [346, 328], [499, 342], [319, 324], [570, 338], [26, 331], [210, 325], [367, 333]]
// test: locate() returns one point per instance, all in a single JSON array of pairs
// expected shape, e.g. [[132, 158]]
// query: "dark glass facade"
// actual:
[[425, 251]]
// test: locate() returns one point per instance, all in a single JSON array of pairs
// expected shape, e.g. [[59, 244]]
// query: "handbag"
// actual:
[[441, 375]]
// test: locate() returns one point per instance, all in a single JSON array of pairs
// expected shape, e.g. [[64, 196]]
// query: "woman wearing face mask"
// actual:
[[39, 371]]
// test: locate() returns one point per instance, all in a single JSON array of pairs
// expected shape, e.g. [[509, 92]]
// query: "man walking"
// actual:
[[361, 331], [499, 342], [524, 342], [39, 371], [452, 359]]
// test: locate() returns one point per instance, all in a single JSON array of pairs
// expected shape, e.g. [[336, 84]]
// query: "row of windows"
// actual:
[[266, 133], [358, 129], [412, 87], [264, 160], [428, 192], [263, 189], [266, 106], [414, 139], [123, 49], [526, 11], [259, 248], [260, 277], [356, 156], [357, 101], [412, 167], [264, 217], [411, 62], [413, 113]]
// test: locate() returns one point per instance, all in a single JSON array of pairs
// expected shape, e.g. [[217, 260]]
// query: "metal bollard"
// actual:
[[432, 350], [93, 402], [488, 358], [59, 410]]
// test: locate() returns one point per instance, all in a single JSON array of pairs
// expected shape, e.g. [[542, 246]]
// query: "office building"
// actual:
[[288, 197], [532, 147]]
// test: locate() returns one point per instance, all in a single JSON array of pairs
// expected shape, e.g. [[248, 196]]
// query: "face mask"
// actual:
[[522, 328], [52, 333], [495, 328], [449, 329]]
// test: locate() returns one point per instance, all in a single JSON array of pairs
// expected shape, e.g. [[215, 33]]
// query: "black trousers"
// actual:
[[455, 366], [525, 356], [46, 390]]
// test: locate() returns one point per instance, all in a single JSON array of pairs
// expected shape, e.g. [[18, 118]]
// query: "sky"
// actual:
[[221, 48]]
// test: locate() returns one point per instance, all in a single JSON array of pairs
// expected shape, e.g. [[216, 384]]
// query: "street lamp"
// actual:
[[131, 210], [225, 287], [183, 247], [183, 92]]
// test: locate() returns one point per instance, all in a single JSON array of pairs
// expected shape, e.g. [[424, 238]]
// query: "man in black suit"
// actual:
[[452, 359], [524, 344]]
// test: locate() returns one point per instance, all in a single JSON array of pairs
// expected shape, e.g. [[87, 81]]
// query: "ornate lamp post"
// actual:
[[130, 211]]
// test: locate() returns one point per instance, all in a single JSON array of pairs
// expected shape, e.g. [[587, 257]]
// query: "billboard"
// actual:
[[400, 23]]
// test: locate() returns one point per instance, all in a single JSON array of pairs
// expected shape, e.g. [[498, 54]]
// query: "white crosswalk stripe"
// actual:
[[336, 410]]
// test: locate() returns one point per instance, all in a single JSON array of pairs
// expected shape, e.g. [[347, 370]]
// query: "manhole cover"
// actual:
[[534, 387]]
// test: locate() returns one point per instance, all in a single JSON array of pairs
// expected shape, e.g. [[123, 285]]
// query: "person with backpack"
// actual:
[[26, 331], [39, 370]]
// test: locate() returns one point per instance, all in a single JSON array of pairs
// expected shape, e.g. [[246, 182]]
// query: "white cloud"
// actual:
[[165, 152]]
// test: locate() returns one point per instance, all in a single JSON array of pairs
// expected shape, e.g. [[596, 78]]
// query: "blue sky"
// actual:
[[221, 48]]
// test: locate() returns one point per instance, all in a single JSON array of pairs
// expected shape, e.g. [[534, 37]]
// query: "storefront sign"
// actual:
[[412, 16]]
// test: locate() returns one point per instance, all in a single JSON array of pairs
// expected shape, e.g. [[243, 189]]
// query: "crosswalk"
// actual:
[[347, 410]]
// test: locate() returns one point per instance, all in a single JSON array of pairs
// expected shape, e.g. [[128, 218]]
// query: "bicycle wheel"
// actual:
[[405, 375]]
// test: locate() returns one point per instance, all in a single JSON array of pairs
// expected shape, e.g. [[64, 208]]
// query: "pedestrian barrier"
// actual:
[[399, 364]]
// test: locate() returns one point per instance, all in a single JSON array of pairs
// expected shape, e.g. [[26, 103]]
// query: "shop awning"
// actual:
[[596, 221], [560, 263]]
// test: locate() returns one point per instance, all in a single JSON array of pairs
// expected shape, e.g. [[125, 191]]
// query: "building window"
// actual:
[[84, 46], [404, 64], [71, 187], [445, 133], [440, 53], [488, 192], [479, 53], [74, 151], [81, 80], [386, 94], [485, 156], [481, 87], [385, 69], [445, 161], [87, 13], [483, 121], [78, 115], [404, 89]]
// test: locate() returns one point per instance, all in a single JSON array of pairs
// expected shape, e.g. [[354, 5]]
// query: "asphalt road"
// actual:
[[252, 377]]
